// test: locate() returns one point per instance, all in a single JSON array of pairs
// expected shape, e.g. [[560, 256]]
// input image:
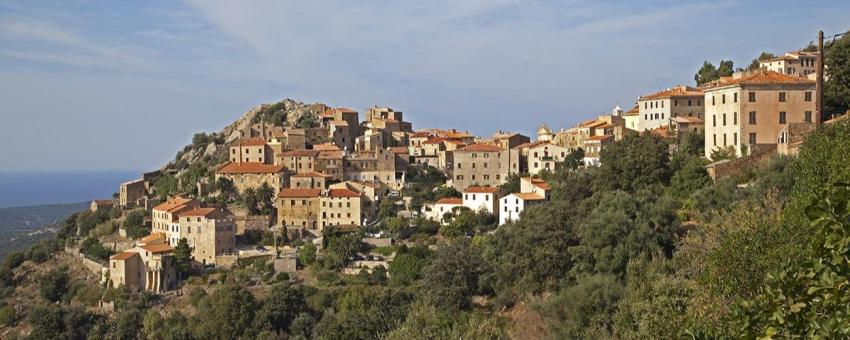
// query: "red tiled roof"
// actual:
[[434, 140], [330, 154], [677, 91], [153, 237], [158, 248], [123, 256], [251, 142], [764, 77], [529, 145], [198, 212], [529, 196], [172, 204], [481, 190], [342, 193], [450, 200], [339, 122], [326, 147], [591, 124], [399, 150], [300, 153], [538, 183], [300, 193], [635, 110], [481, 148], [310, 174], [249, 168]]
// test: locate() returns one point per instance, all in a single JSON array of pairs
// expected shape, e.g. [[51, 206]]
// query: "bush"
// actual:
[[93, 249], [8, 317], [13, 260], [54, 284], [134, 224], [103, 229]]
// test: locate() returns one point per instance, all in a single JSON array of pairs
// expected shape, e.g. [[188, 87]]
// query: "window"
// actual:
[[689, 102], [724, 119], [752, 117], [808, 96], [713, 120], [712, 100], [735, 138], [808, 116], [752, 138], [723, 99], [735, 97], [781, 117], [782, 96], [724, 139], [734, 118], [715, 139], [676, 102], [752, 97]]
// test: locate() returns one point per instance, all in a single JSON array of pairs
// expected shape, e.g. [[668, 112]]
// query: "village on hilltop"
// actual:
[[340, 174]]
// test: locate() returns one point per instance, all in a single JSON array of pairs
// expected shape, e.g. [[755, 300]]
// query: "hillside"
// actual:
[[22, 226]]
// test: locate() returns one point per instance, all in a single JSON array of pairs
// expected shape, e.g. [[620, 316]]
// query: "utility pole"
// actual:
[[819, 84]]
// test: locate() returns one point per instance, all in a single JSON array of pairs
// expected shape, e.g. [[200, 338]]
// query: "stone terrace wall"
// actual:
[[760, 153]]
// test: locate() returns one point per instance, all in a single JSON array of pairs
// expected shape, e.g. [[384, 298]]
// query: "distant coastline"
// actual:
[[21, 189]]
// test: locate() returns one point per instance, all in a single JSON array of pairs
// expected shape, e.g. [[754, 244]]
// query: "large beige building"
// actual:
[[314, 209], [252, 175], [655, 110], [482, 165], [544, 157], [130, 192], [251, 151], [165, 217], [796, 63], [753, 108], [340, 207], [209, 231], [145, 267]]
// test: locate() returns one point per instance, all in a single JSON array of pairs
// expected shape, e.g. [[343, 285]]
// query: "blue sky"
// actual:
[[124, 84]]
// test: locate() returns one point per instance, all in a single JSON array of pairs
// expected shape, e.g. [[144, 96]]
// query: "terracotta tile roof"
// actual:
[[529, 196], [687, 120], [326, 147], [198, 212], [310, 174], [153, 237], [529, 145], [249, 168], [123, 256], [633, 112], [331, 112], [158, 248], [450, 200], [300, 153], [481, 190], [330, 154], [456, 142], [676, 91], [538, 182], [339, 122], [420, 134], [399, 150], [172, 204], [762, 77], [662, 131], [434, 140], [591, 124], [299, 193], [480, 148], [251, 142], [342, 193]]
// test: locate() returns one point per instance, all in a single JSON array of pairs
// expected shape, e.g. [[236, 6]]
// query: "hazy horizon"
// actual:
[[124, 85]]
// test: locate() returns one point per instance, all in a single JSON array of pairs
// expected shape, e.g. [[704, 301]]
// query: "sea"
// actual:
[[19, 189]]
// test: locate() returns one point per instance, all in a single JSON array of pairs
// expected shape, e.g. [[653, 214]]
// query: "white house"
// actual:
[[532, 191], [435, 211], [481, 198], [544, 156], [511, 206]]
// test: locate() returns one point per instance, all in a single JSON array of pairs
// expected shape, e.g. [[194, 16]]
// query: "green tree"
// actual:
[[452, 277], [302, 326], [407, 264], [584, 310], [225, 186], [165, 186], [511, 185], [723, 153], [836, 92], [134, 224], [54, 284], [307, 254], [634, 162], [95, 250], [265, 198], [307, 120], [808, 299], [690, 178], [706, 73], [754, 65], [251, 201], [280, 308], [227, 313], [183, 257]]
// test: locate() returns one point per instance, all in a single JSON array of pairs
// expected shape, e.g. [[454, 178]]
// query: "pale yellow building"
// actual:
[[655, 110], [753, 108], [252, 175], [251, 151]]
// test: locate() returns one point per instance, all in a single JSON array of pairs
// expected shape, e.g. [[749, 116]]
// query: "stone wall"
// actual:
[[759, 153], [94, 267]]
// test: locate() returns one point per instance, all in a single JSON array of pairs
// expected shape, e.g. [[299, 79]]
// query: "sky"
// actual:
[[93, 85]]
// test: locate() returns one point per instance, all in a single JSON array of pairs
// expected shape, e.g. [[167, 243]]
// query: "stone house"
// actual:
[[252, 175], [481, 165], [251, 151], [655, 110], [210, 232]]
